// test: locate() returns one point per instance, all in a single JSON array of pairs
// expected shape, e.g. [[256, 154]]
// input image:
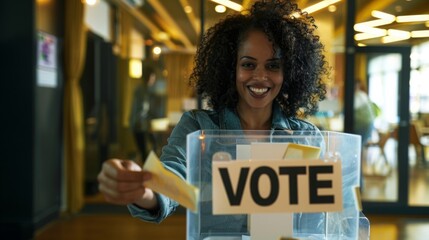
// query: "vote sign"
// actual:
[[274, 186]]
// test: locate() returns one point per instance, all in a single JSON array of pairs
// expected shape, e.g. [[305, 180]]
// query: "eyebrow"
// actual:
[[252, 58]]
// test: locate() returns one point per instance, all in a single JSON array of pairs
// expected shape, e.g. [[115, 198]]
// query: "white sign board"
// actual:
[[275, 186]]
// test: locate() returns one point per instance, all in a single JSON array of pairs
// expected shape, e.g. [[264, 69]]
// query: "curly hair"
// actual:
[[303, 62]]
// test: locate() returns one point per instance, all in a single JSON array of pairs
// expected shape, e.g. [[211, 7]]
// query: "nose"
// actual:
[[260, 74]]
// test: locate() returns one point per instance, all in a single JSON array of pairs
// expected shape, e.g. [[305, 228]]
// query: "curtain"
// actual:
[[74, 57], [125, 84], [179, 67], [126, 24]]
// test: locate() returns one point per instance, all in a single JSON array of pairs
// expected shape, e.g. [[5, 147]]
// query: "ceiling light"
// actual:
[[156, 50], [135, 68], [366, 29], [384, 19], [229, 4], [364, 36], [412, 18], [163, 36], [398, 33], [374, 23], [220, 8], [319, 5], [187, 9], [332, 8], [398, 8], [389, 39], [383, 15], [90, 2], [420, 34], [148, 42]]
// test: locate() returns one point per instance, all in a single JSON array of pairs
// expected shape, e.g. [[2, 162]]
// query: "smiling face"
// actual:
[[259, 72]]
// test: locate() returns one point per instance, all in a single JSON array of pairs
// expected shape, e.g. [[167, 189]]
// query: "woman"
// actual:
[[142, 112], [258, 71]]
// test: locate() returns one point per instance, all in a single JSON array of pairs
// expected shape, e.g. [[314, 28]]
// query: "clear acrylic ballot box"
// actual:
[[206, 146]]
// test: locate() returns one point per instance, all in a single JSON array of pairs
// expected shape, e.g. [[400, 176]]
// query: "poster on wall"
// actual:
[[46, 60]]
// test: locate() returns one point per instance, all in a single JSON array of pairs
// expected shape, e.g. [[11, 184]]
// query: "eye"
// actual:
[[248, 65], [273, 66]]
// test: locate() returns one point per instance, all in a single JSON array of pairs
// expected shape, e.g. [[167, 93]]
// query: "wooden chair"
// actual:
[[382, 140], [378, 166], [415, 136]]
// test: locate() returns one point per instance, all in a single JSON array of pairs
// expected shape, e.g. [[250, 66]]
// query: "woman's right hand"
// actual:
[[121, 182]]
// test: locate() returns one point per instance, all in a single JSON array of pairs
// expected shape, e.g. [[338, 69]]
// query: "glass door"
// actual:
[[377, 80], [382, 117], [419, 126]]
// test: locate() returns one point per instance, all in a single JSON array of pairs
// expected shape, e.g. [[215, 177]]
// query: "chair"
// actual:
[[383, 137], [377, 167], [415, 140]]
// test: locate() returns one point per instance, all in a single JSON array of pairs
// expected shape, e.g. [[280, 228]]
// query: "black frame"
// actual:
[[401, 206]]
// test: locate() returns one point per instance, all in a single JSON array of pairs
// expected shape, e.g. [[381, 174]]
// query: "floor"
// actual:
[[108, 222], [122, 226], [99, 220], [381, 176], [112, 227], [399, 227]]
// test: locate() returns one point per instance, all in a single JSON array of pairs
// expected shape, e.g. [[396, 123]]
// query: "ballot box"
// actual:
[[276, 184]]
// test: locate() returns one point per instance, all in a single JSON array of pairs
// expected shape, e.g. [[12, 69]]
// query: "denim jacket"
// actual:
[[174, 153]]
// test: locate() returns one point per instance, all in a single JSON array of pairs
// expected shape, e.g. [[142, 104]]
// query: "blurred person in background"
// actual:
[[140, 115], [364, 113]]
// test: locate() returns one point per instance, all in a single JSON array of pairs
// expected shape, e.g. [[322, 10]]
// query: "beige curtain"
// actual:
[[179, 67], [74, 53], [126, 24]]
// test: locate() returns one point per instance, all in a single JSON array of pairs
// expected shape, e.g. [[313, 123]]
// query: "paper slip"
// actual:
[[281, 150], [169, 184], [296, 151]]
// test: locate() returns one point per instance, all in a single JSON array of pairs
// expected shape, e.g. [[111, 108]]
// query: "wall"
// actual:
[[26, 202], [97, 19]]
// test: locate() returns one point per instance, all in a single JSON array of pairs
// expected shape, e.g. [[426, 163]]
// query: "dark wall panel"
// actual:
[[17, 42], [31, 141]]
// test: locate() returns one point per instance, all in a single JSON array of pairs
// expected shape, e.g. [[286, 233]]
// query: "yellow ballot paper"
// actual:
[[169, 184], [301, 151]]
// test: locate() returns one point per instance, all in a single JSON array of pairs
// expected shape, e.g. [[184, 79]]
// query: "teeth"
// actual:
[[258, 91]]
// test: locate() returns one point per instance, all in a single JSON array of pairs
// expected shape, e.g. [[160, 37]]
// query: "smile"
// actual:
[[259, 91]]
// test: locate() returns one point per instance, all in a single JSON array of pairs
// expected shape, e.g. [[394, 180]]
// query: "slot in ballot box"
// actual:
[[274, 184]]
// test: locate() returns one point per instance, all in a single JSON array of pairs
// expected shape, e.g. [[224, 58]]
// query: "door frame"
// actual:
[[401, 206]]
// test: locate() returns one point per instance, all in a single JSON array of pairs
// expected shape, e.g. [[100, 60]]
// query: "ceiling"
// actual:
[[167, 23]]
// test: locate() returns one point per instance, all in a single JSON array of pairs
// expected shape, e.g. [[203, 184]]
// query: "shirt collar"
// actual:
[[229, 119], [279, 122]]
